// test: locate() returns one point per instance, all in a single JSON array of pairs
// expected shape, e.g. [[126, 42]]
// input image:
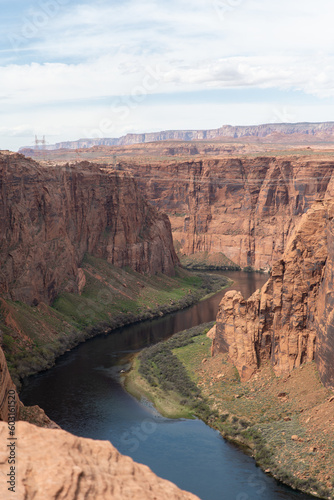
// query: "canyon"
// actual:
[[244, 208], [50, 217], [230, 205], [290, 320], [244, 211], [250, 212], [270, 212]]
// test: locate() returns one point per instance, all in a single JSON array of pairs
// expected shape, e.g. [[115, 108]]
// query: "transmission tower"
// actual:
[[41, 142]]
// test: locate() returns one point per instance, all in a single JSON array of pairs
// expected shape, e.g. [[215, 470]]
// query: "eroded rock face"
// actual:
[[281, 321], [324, 318], [8, 395], [11, 408], [53, 464], [51, 216], [245, 208], [236, 331]]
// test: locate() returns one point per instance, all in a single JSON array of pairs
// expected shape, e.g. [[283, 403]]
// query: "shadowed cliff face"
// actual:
[[290, 320], [51, 216], [244, 207]]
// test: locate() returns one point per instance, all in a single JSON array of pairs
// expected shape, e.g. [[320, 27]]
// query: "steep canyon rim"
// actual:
[[235, 202], [61, 236], [244, 209]]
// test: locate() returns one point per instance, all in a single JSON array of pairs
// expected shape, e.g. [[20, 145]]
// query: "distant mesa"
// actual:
[[228, 131]]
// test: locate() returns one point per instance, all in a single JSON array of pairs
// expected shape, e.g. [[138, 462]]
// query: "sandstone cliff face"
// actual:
[[11, 408], [51, 216], [53, 464], [280, 322], [8, 394], [324, 318], [245, 208]]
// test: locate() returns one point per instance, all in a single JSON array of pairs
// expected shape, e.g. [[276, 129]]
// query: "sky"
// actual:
[[73, 69]]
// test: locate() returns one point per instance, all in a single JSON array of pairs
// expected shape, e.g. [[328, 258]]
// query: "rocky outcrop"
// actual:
[[53, 464], [9, 400], [51, 216], [290, 320], [229, 131], [324, 318], [245, 208], [237, 208], [11, 408]]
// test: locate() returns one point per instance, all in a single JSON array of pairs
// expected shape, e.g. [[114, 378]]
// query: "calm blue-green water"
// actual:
[[82, 393]]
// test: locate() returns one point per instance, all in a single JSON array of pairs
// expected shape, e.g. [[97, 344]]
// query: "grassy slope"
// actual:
[[158, 375], [32, 337], [264, 413]]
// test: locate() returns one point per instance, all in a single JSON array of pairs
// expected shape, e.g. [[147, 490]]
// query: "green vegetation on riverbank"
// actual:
[[33, 337], [284, 422], [158, 375]]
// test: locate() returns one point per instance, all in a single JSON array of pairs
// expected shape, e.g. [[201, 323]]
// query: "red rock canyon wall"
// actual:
[[51, 216], [244, 207], [290, 320]]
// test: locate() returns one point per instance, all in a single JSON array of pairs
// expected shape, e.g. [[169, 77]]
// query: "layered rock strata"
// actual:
[[324, 319], [290, 320], [245, 208], [51, 216]]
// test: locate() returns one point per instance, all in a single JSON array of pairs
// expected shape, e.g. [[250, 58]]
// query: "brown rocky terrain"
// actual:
[[287, 421], [239, 208], [6, 388], [245, 208], [265, 211], [11, 408], [53, 464], [249, 208], [288, 321], [51, 216]]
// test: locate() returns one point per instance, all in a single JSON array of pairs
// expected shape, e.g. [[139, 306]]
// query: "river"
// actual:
[[83, 394]]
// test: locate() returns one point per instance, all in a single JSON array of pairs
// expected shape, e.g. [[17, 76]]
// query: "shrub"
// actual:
[[159, 366], [7, 341]]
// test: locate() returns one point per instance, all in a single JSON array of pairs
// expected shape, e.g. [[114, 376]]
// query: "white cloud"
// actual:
[[18, 131], [36, 84], [84, 52]]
